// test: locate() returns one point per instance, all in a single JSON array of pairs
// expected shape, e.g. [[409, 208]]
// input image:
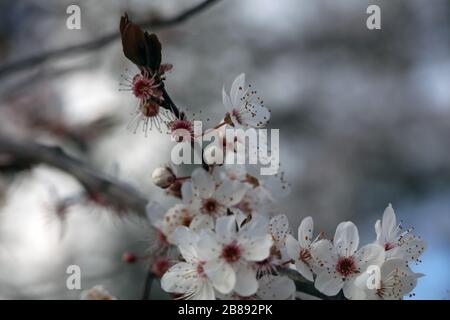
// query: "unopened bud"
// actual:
[[163, 177]]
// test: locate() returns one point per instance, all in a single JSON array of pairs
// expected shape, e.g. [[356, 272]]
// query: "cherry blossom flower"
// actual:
[[211, 196], [396, 242], [396, 281], [245, 109], [231, 250], [300, 251], [167, 221], [278, 228], [97, 293], [341, 262], [188, 278]]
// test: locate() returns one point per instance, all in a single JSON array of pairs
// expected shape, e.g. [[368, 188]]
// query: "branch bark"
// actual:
[[100, 42]]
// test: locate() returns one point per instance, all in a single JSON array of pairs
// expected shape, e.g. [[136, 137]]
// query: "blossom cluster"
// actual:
[[231, 242]]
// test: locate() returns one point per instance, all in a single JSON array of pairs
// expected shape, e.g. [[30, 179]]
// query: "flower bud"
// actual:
[[163, 177]]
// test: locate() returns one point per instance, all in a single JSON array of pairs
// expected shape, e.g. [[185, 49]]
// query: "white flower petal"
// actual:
[[275, 288], [279, 228], [180, 278], [324, 254], [230, 193], [202, 221], [226, 101], [226, 229], [246, 283], [389, 222], [222, 275], [202, 183], [155, 213], [255, 249], [186, 240], [304, 269], [346, 239], [237, 89], [328, 283], [350, 290], [208, 246], [371, 254], [292, 247]]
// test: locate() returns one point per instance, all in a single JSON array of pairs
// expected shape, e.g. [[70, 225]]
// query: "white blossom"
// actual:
[[396, 242], [341, 262], [300, 250], [188, 278], [396, 281]]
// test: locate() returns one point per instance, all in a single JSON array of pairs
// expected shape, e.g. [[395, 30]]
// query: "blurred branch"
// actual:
[[100, 42], [113, 192]]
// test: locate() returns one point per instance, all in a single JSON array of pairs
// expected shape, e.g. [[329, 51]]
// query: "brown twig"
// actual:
[[100, 42]]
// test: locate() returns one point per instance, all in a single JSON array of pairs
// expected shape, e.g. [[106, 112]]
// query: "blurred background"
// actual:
[[364, 119]]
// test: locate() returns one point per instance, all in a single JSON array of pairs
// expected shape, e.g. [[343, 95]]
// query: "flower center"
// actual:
[[346, 266], [305, 255], [142, 87], [149, 109], [231, 253], [201, 270], [210, 206]]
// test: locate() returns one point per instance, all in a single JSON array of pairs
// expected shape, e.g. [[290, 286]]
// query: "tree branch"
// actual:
[[100, 42], [112, 191]]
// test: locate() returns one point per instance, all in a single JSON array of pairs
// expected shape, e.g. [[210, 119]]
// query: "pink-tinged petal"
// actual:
[[371, 254], [329, 283], [202, 183], [346, 239], [222, 275], [292, 248], [226, 229], [304, 269], [246, 283], [207, 246], [180, 278], [279, 228], [231, 193], [324, 254], [226, 101], [255, 249], [389, 222], [237, 90], [276, 288], [305, 232]]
